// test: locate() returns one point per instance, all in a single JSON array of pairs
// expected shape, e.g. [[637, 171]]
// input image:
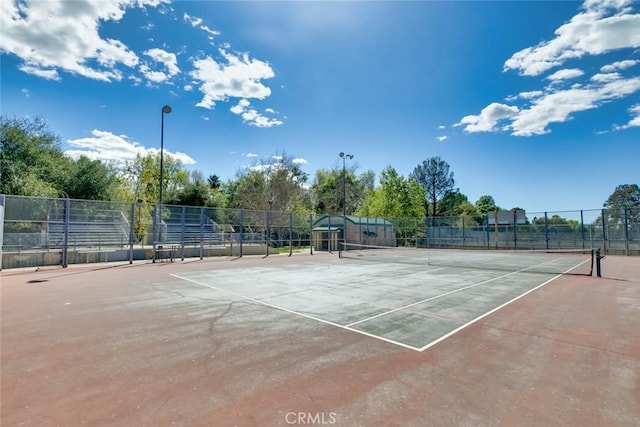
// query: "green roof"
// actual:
[[338, 220]]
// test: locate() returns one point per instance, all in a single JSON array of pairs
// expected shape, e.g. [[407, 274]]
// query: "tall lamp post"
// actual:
[[165, 110], [344, 194]]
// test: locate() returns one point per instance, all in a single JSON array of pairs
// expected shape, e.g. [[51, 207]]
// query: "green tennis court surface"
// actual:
[[406, 303]]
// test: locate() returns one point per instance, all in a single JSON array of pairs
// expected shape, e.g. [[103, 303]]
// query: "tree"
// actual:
[[451, 203], [31, 161], [396, 197], [91, 180], [486, 204], [142, 179], [436, 180], [625, 196], [214, 182], [276, 183]]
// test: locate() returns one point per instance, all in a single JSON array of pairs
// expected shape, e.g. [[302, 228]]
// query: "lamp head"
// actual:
[[341, 154], [166, 109]]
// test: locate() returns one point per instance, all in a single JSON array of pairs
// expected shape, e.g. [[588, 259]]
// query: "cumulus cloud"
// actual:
[[107, 146], [299, 161], [442, 138], [58, 35], [619, 65], [566, 74], [605, 77], [252, 116], [165, 59], [488, 118], [237, 77], [558, 106], [601, 27]]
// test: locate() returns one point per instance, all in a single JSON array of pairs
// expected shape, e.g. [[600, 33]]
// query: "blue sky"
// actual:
[[534, 103]]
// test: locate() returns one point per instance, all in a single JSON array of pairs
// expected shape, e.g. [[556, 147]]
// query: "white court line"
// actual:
[[482, 316], [257, 301], [449, 293], [348, 328]]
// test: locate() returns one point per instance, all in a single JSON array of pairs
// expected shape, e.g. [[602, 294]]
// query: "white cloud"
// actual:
[[25, 92], [250, 155], [488, 118], [197, 22], [619, 65], [442, 127], [442, 138], [569, 73], [252, 116], [558, 106], [299, 161], [238, 77], [635, 118], [601, 27], [187, 88], [194, 21], [605, 77], [106, 146], [49, 74], [59, 35], [166, 59]]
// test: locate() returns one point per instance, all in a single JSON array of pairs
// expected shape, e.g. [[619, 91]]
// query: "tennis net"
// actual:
[[558, 261]]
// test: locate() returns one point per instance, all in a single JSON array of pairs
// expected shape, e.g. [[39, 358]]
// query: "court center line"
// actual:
[[452, 292], [317, 319]]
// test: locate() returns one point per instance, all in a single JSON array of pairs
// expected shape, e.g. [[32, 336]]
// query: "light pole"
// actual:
[[165, 110], [344, 194]]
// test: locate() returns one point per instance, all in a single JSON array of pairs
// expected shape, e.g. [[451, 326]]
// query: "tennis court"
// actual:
[[372, 338], [409, 297]]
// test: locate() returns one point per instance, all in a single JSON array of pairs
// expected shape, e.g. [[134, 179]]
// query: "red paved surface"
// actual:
[[129, 346]]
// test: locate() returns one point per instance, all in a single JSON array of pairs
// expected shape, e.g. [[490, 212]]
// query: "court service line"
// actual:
[[317, 319], [482, 316], [464, 288]]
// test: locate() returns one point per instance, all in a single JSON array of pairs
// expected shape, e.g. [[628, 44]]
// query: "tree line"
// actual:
[[32, 163]]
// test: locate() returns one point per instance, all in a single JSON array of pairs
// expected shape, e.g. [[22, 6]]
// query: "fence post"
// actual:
[[65, 235], [155, 233], [290, 233], [626, 231], [201, 233], [486, 227], [241, 237], [183, 223], [311, 232], [604, 233], [132, 231], [2, 201], [515, 230]]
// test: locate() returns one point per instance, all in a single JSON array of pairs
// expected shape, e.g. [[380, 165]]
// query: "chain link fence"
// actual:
[[45, 231]]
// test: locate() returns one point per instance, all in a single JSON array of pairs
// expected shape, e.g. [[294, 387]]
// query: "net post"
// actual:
[[546, 231], [598, 257], [582, 226]]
